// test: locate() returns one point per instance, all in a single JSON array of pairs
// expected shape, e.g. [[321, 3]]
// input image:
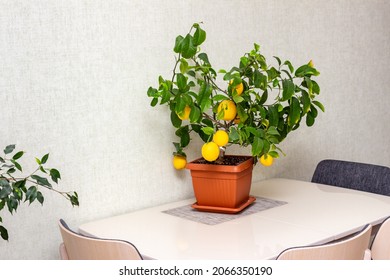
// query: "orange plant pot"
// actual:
[[220, 187]]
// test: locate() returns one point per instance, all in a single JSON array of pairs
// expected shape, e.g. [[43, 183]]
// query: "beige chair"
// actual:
[[380, 248], [79, 247], [351, 248]]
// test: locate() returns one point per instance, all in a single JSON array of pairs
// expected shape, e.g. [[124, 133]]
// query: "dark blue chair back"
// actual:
[[353, 175]]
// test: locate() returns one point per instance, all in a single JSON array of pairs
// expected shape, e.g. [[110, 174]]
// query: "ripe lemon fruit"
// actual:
[[221, 138], [185, 114], [210, 151], [229, 108], [266, 160], [238, 88], [179, 162]]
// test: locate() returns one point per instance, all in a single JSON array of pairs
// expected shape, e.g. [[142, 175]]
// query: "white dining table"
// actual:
[[306, 213]]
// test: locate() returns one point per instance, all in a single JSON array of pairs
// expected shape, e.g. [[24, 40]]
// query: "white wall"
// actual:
[[73, 81]]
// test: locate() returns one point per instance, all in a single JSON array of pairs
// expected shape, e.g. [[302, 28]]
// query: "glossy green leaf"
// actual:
[[18, 155], [195, 114], [175, 120], [178, 44], [309, 119], [288, 89], [208, 130], [306, 70], [305, 99], [319, 105], [44, 159], [257, 146], [4, 233], [199, 36], [55, 175], [41, 180], [295, 112], [181, 81], [188, 49]]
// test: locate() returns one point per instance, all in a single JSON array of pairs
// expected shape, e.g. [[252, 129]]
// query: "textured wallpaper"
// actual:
[[73, 82]]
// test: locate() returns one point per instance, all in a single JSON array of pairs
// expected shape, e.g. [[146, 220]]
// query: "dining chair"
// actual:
[[353, 175], [380, 247], [76, 246], [351, 248]]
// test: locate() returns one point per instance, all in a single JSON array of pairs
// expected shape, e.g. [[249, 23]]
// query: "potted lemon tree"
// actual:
[[254, 104]]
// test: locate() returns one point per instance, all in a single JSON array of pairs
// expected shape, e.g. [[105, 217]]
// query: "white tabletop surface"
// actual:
[[314, 214]]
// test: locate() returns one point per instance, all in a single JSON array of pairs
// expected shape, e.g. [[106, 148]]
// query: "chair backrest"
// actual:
[[351, 248], [353, 175], [380, 248], [79, 247]]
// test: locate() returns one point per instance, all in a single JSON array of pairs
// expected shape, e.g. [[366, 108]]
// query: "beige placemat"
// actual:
[[209, 218]]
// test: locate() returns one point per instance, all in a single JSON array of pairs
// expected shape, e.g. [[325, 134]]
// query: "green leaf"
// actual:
[[31, 194], [194, 114], [257, 146], [55, 175], [316, 87], [208, 130], [305, 99], [5, 191], [38, 161], [309, 119], [41, 181], [306, 70], [3, 233], [204, 57], [17, 165], [18, 155], [188, 49], [154, 102], [178, 44], [273, 116], [176, 121], [260, 80], [319, 105], [40, 197], [183, 66], [238, 99], [290, 67], [181, 81], [199, 36], [288, 89], [9, 149], [278, 59], [273, 131], [152, 92], [44, 159], [295, 112]]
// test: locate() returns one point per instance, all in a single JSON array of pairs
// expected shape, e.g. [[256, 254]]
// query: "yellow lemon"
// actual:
[[210, 151], [185, 114], [238, 88], [221, 138], [179, 162], [266, 160], [229, 108]]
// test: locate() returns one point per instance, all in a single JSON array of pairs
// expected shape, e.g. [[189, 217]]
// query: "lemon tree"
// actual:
[[258, 103]]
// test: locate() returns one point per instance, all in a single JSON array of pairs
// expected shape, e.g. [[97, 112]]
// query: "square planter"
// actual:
[[222, 188]]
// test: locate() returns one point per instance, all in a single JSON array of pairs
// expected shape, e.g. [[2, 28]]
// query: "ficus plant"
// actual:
[[16, 187], [255, 104]]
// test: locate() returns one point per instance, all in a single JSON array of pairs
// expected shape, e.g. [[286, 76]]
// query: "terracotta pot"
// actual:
[[221, 186]]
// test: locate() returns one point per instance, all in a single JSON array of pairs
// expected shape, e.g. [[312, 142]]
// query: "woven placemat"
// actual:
[[209, 218]]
